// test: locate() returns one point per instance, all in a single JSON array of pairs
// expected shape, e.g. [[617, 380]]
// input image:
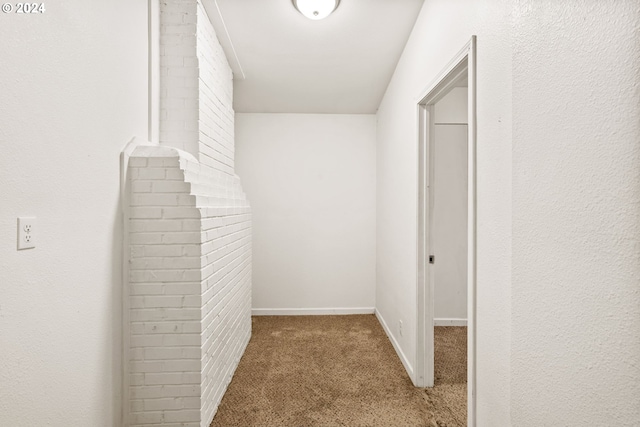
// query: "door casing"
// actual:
[[463, 62]]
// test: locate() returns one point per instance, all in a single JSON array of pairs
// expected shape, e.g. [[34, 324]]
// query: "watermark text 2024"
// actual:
[[23, 8]]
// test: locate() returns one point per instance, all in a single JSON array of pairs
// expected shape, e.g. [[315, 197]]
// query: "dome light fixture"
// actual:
[[316, 9]]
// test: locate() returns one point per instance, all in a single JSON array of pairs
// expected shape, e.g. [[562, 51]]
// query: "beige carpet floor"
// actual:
[[327, 371]]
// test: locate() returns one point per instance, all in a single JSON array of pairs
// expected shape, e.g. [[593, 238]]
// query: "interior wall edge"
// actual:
[[396, 346]]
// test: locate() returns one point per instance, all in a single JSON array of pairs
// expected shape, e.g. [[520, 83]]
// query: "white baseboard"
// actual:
[[396, 346], [310, 311], [449, 322]]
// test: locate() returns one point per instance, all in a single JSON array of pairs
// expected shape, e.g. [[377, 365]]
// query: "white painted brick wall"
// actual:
[[189, 234], [216, 99], [189, 287], [196, 83], [179, 75]]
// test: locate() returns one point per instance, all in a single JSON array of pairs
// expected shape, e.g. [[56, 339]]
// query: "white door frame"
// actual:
[[464, 61]]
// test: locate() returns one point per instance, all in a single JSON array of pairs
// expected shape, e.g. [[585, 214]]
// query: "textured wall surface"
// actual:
[[74, 92], [576, 214], [190, 235], [311, 181], [442, 29], [557, 329]]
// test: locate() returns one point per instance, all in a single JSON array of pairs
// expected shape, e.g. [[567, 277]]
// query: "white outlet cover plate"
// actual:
[[26, 232]]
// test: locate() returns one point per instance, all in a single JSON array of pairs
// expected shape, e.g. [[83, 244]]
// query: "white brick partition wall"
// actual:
[[179, 82], [189, 233], [216, 129], [190, 287], [196, 84]]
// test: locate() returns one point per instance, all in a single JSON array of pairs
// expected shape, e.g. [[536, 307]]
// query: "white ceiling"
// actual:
[[291, 64]]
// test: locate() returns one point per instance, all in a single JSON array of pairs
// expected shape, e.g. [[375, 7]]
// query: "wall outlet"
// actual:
[[400, 327], [26, 233]]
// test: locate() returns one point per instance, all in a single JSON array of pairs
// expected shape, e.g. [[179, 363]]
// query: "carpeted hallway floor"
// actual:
[[301, 371]]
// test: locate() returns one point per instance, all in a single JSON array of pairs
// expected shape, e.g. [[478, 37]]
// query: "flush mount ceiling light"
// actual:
[[316, 9]]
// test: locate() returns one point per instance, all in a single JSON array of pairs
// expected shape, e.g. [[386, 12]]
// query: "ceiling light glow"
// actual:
[[316, 9]]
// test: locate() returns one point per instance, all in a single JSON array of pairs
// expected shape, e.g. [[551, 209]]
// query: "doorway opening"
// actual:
[[447, 215]]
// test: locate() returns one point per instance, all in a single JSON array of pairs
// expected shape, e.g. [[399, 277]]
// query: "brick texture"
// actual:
[[216, 99], [189, 236]]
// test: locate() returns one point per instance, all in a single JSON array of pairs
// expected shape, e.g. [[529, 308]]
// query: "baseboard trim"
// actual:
[[449, 322], [396, 346], [311, 311]]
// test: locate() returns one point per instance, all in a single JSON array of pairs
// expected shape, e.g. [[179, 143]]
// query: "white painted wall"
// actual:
[[566, 168], [74, 92], [441, 30], [450, 222], [311, 182], [575, 352], [452, 108], [450, 208]]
